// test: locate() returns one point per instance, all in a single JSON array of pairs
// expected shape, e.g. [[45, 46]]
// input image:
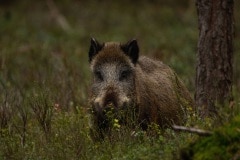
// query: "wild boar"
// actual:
[[124, 81]]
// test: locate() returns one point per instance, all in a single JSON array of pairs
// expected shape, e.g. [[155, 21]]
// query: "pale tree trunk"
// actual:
[[214, 70]]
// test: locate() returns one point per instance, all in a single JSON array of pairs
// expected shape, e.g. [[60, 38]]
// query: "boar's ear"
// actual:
[[95, 47], [131, 49]]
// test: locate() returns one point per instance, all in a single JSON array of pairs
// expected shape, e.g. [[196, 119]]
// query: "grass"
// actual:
[[44, 74]]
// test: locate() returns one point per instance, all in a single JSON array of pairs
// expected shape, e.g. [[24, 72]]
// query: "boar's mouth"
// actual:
[[108, 104], [110, 107]]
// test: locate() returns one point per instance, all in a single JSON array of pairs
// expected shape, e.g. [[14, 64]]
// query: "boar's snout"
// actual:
[[111, 99]]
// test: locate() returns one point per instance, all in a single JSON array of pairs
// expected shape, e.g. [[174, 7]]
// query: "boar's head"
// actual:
[[113, 68]]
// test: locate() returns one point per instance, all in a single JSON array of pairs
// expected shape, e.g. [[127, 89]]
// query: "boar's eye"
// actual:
[[124, 75], [98, 75]]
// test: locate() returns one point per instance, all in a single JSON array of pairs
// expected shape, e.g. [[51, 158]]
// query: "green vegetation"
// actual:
[[44, 74], [223, 144]]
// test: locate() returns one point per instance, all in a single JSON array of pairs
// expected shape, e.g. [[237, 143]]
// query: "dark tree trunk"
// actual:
[[215, 55]]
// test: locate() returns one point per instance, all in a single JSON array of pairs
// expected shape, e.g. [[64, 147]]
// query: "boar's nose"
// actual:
[[110, 99], [106, 101]]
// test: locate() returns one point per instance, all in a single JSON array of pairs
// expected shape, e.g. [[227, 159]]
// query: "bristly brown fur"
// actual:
[[111, 53], [160, 93]]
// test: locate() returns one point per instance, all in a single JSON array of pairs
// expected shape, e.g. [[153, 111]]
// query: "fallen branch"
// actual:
[[197, 131]]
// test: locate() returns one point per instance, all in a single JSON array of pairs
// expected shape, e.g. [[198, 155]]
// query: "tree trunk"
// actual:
[[214, 70]]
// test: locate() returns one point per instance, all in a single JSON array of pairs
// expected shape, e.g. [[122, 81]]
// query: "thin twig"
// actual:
[[61, 20], [197, 131]]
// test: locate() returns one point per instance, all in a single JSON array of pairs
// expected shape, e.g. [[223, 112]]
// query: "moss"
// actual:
[[223, 144]]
